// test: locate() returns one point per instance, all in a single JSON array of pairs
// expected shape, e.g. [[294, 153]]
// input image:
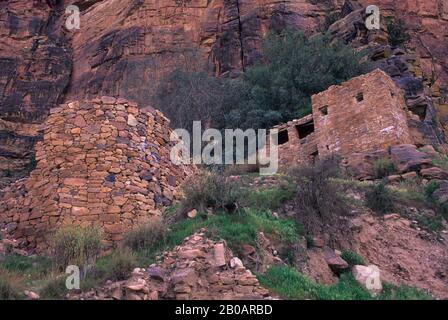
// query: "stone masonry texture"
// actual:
[[363, 114], [103, 162]]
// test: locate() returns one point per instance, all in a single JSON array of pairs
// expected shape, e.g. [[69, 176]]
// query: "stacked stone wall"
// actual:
[[103, 162], [364, 114]]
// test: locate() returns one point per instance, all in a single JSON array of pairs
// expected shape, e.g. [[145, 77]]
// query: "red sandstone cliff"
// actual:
[[125, 46]]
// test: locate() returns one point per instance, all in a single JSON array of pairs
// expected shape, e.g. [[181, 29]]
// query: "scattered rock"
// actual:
[[434, 173], [335, 262], [248, 249], [220, 255], [236, 263], [369, 277], [156, 273], [132, 121], [32, 295], [192, 214], [318, 242], [410, 175]]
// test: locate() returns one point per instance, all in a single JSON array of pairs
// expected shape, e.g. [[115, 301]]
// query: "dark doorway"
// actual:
[[304, 130]]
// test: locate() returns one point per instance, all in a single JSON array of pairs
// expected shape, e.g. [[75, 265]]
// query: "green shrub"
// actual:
[[276, 89], [293, 68], [210, 189], [380, 199], [383, 167], [398, 33], [352, 258], [76, 246], [54, 288], [11, 285], [441, 161], [117, 266], [145, 236], [431, 187], [318, 197], [267, 198]]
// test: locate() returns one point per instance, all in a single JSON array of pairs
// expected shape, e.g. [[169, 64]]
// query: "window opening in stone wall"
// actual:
[[283, 137], [360, 97], [304, 130], [324, 110]]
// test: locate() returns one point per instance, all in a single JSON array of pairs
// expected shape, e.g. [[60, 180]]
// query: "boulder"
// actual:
[[407, 158], [192, 214], [156, 273], [434, 173], [236, 263], [220, 255], [369, 277], [335, 262], [31, 295]]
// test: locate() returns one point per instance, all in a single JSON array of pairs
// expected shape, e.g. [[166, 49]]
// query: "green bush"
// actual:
[[398, 33], [11, 285], [441, 161], [318, 197], [145, 236], [117, 266], [267, 198], [380, 199], [431, 187], [54, 288], [383, 167], [294, 67], [352, 258], [210, 189], [76, 246], [276, 89]]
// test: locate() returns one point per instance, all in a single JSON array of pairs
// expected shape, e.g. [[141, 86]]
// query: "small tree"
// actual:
[[397, 31]]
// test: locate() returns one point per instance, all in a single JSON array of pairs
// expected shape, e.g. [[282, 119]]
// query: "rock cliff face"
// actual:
[[125, 46], [35, 69]]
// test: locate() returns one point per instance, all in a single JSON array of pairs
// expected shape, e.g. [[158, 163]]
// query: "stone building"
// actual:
[[104, 162], [363, 114]]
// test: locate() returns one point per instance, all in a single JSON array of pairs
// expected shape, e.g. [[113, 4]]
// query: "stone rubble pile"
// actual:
[[103, 162], [198, 269]]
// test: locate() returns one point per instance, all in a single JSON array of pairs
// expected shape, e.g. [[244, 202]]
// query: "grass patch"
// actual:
[[441, 162], [76, 246], [117, 266], [352, 258], [11, 285], [267, 198], [237, 229], [145, 236], [54, 288], [291, 284], [32, 267]]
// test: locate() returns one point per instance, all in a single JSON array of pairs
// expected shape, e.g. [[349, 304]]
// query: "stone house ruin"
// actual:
[[363, 114], [103, 162]]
